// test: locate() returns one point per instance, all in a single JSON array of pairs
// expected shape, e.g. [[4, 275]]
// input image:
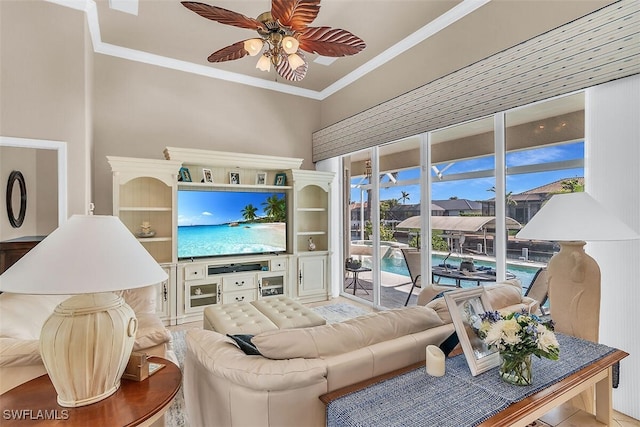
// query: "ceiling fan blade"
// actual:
[[295, 14], [327, 41], [229, 53], [223, 16], [284, 69]]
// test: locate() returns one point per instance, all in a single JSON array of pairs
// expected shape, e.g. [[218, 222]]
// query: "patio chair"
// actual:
[[431, 290], [412, 258], [539, 289]]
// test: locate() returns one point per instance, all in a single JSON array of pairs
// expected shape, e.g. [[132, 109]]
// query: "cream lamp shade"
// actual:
[[575, 217], [86, 343]]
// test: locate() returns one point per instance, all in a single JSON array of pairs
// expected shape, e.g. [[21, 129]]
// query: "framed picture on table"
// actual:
[[261, 178], [465, 307]]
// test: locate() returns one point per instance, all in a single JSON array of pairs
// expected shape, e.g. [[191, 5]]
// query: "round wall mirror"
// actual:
[[16, 182]]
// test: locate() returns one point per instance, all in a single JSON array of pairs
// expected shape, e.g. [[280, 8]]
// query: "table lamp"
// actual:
[[87, 341], [571, 219]]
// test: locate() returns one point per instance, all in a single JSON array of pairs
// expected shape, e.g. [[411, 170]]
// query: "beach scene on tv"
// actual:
[[217, 223]]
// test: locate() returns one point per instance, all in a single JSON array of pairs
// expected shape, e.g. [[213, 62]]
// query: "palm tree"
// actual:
[[404, 196], [275, 208], [249, 212], [508, 197]]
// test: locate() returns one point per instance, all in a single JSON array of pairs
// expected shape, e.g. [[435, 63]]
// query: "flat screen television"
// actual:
[[229, 222]]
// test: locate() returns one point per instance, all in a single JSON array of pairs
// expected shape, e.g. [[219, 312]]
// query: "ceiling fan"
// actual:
[[285, 33]]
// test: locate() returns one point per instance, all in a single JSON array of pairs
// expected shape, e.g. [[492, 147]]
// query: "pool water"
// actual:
[[397, 265]]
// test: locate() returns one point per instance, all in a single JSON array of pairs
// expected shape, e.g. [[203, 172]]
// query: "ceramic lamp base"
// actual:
[[85, 346]]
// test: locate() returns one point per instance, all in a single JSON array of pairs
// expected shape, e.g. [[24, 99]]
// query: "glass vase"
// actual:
[[515, 368]]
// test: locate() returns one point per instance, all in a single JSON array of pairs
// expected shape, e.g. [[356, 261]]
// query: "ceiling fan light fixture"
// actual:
[[290, 45], [253, 46], [295, 61], [287, 34], [264, 63]]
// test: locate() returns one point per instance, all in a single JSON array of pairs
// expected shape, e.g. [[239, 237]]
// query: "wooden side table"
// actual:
[[136, 403]]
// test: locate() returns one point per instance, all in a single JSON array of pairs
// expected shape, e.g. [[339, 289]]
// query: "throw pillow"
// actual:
[[245, 344]]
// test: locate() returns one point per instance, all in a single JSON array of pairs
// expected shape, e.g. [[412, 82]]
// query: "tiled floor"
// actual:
[[568, 416]]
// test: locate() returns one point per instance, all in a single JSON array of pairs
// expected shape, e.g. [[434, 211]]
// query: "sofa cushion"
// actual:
[[223, 359], [22, 315], [19, 352], [505, 296], [151, 332], [337, 338]]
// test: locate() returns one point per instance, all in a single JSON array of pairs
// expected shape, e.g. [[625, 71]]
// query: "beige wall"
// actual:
[[140, 109], [43, 85]]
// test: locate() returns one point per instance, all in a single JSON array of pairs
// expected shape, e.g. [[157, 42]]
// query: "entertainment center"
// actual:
[[227, 227]]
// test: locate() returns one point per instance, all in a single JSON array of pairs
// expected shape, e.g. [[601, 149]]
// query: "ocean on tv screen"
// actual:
[[231, 239], [231, 222]]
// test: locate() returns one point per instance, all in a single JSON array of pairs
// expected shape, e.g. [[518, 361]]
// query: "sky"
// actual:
[[217, 207], [478, 189]]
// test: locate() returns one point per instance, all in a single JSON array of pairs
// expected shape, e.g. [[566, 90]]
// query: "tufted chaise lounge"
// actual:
[[259, 316]]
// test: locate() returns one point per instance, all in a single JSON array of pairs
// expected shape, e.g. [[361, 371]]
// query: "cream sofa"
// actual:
[[22, 317], [223, 386]]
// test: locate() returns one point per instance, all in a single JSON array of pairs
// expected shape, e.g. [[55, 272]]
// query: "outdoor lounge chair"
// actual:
[[412, 258], [539, 288]]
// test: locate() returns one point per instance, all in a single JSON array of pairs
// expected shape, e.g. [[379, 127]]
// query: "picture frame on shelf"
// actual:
[[234, 177], [261, 178], [281, 179], [207, 175], [184, 175], [465, 307]]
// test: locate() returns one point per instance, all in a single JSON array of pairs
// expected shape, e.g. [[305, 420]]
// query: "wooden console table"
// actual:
[[136, 403], [521, 413]]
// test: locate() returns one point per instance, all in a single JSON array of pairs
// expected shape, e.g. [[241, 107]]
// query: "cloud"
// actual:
[[205, 213]]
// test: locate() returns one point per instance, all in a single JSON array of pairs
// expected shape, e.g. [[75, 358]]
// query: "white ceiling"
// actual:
[[165, 33]]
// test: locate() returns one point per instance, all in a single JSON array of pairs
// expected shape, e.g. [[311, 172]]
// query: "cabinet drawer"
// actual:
[[238, 282], [239, 296], [194, 272], [278, 265]]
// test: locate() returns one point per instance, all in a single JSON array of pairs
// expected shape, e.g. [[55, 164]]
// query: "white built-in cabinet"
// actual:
[[310, 212], [145, 190]]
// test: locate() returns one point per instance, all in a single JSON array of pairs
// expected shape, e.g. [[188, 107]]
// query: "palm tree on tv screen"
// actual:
[[249, 212], [275, 208]]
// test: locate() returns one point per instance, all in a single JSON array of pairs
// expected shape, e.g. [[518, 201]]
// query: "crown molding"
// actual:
[[90, 9]]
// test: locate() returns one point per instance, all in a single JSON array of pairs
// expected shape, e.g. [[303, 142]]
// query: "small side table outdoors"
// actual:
[[355, 283], [136, 403]]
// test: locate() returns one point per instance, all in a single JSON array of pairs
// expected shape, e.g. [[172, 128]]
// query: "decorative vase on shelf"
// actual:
[[312, 246], [515, 368]]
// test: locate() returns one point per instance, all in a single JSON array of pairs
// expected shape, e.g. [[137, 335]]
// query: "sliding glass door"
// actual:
[[514, 161]]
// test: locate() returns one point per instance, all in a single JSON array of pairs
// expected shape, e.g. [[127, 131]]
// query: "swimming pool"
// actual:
[[397, 265]]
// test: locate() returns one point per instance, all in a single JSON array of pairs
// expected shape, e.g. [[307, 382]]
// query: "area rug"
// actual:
[[176, 415]]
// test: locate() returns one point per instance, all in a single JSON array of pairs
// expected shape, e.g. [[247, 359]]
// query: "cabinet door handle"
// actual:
[[240, 283], [300, 278], [240, 298], [165, 291]]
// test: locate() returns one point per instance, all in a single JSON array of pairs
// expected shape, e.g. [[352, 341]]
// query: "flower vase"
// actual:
[[515, 368]]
